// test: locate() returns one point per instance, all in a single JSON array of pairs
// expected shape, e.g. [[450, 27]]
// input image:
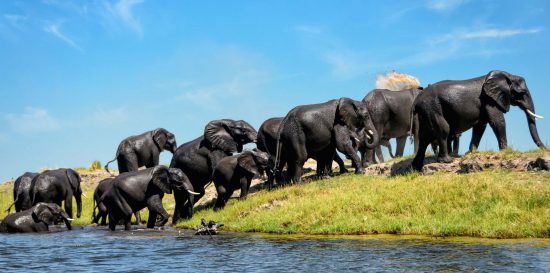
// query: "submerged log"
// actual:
[[208, 228]]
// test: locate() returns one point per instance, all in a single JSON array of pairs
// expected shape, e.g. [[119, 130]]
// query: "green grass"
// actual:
[[493, 204]]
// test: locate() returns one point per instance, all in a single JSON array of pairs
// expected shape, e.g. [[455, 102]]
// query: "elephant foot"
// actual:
[[359, 171], [343, 171], [417, 166], [445, 159]]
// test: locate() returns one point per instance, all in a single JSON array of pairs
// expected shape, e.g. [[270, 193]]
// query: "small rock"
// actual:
[[541, 163]]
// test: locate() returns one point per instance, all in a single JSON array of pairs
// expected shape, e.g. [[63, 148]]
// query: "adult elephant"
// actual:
[[316, 130], [391, 115], [21, 192], [56, 186], [267, 142], [198, 157], [38, 218], [449, 108], [143, 150], [133, 191]]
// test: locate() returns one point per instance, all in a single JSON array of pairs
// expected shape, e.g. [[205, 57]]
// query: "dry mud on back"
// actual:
[[473, 162]]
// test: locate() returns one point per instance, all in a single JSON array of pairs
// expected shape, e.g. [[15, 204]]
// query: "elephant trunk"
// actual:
[[67, 220], [78, 198], [533, 130], [371, 135]]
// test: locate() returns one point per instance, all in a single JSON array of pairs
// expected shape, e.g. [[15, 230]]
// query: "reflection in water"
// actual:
[[96, 249]]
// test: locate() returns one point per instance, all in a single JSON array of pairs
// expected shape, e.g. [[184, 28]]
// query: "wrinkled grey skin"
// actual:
[[56, 186], [448, 108], [143, 150], [316, 130], [236, 172], [21, 192], [101, 216], [133, 191], [391, 115], [198, 157], [38, 218], [267, 142]]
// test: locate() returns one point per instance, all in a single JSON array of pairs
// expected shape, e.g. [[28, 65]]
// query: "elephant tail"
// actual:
[[14, 201], [107, 166]]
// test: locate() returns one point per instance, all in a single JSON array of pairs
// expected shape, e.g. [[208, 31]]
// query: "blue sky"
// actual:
[[77, 77]]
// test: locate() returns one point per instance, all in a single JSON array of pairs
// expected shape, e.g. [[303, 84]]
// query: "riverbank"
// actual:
[[500, 195]]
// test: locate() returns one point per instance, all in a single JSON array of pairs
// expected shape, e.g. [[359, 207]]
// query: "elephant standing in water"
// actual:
[[390, 112], [38, 218], [21, 192], [236, 172], [133, 191], [316, 130], [56, 186], [267, 142], [101, 216], [448, 108], [143, 150], [198, 157]]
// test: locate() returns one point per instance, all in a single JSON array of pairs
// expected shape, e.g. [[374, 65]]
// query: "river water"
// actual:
[[92, 249]]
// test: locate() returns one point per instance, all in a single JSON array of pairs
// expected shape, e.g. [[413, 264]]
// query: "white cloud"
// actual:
[[15, 20], [32, 120], [122, 11], [110, 116], [445, 4], [54, 29], [489, 33]]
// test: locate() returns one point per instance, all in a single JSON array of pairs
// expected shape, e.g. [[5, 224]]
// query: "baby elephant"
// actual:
[[36, 219], [237, 171]]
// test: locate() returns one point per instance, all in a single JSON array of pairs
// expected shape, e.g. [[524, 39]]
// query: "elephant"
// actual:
[[316, 130], [267, 142], [143, 150], [101, 217], [21, 188], [38, 218], [391, 115], [56, 186], [448, 108], [133, 191], [198, 157], [237, 171]]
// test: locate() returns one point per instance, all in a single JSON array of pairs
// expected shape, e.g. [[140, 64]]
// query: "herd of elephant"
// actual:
[[435, 115]]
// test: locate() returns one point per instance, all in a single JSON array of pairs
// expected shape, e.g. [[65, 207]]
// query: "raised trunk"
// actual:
[[533, 130]]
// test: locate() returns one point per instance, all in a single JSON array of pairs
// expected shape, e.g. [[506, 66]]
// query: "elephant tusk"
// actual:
[[356, 139], [371, 132], [70, 219], [85, 196], [192, 192], [533, 114], [368, 137]]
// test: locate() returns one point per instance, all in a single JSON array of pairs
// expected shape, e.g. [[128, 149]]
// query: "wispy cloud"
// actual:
[[122, 10], [445, 4], [489, 33], [32, 120], [15, 20], [110, 116], [54, 29], [311, 29]]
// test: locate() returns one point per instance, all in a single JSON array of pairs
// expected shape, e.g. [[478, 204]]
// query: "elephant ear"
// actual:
[[347, 113], [159, 136], [218, 134], [247, 162], [497, 87], [74, 179], [160, 178], [41, 213]]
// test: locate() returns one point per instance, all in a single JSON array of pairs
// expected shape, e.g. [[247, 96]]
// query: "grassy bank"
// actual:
[[495, 204]]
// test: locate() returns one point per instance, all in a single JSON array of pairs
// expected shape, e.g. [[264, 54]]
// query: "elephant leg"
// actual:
[[477, 133], [296, 157], [456, 144], [69, 205], [245, 185], [128, 222], [340, 163], [378, 153], [400, 148], [418, 161], [363, 159], [498, 124], [151, 220], [345, 146], [369, 157], [138, 217], [154, 204], [127, 162], [112, 222], [442, 134], [220, 200]]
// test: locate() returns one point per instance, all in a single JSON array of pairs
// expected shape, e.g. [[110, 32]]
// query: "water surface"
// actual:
[[92, 249]]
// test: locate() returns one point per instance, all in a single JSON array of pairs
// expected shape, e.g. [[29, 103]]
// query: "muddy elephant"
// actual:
[[143, 150], [236, 172], [448, 108], [38, 218], [133, 191], [57, 186], [21, 192], [316, 130], [198, 157]]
